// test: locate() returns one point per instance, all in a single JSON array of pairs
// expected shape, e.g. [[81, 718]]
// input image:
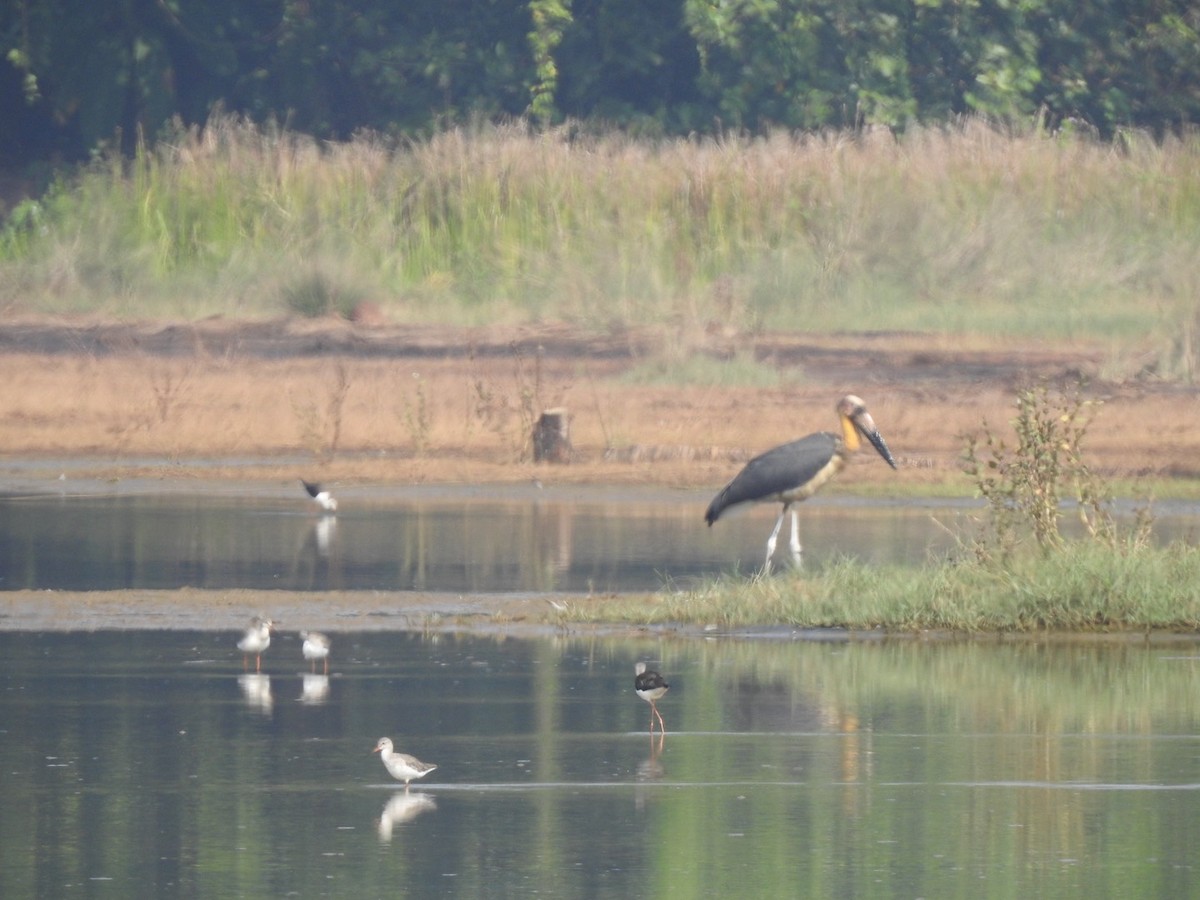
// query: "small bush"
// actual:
[[1025, 485], [318, 294]]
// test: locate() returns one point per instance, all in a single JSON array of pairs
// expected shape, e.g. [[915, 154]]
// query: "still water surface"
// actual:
[[148, 765], [522, 540], [467, 540]]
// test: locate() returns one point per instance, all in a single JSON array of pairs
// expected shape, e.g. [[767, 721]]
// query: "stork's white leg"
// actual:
[[771, 540], [795, 543]]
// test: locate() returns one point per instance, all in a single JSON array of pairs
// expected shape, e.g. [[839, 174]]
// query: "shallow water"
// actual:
[[523, 540], [448, 539], [149, 764]]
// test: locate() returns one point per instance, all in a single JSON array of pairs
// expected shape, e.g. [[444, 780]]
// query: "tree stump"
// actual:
[[552, 436]]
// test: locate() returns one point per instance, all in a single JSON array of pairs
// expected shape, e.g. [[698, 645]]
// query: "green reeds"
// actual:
[[966, 228], [1082, 587]]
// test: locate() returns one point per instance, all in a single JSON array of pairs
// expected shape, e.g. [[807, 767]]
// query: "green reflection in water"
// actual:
[[137, 764]]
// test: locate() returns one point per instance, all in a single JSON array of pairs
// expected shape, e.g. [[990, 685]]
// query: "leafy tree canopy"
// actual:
[[79, 75]]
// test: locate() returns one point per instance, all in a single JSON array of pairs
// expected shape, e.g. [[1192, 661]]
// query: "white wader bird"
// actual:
[[315, 646], [256, 639], [401, 766]]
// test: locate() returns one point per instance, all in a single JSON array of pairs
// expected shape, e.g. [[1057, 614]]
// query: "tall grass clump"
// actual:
[[967, 227], [321, 293]]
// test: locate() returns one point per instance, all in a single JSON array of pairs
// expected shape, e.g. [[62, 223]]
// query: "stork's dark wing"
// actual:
[[313, 489], [779, 469]]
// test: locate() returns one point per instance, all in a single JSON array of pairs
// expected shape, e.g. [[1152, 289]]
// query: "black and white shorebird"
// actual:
[[650, 686], [315, 647], [256, 639], [795, 471], [320, 496], [401, 766]]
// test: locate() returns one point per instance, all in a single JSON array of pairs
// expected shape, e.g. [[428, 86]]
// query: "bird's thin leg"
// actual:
[[771, 540], [327, 665], [795, 543], [661, 727], [258, 663]]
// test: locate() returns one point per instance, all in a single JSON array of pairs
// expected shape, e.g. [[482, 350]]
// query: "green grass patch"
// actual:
[[1083, 587], [705, 369], [962, 229]]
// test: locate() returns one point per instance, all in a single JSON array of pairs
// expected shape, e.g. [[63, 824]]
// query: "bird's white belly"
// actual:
[[814, 484]]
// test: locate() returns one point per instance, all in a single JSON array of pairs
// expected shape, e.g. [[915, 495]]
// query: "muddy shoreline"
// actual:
[[497, 615], [194, 609], [337, 402]]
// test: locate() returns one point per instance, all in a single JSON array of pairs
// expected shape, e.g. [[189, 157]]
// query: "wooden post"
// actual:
[[552, 436]]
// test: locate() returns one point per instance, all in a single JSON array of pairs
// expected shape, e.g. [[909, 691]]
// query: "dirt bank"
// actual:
[[334, 612], [413, 404]]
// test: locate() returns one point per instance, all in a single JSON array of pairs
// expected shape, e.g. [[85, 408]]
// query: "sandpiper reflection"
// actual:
[[314, 689], [256, 691], [403, 807]]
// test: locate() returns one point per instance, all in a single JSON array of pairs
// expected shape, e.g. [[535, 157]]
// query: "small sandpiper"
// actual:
[[256, 639], [316, 646], [401, 766]]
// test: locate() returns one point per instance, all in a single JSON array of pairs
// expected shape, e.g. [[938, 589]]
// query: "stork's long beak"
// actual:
[[866, 427]]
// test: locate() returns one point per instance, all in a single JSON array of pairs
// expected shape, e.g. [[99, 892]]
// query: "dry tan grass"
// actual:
[[466, 418]]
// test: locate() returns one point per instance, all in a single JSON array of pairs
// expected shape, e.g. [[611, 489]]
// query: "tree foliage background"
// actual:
[[79, 75]]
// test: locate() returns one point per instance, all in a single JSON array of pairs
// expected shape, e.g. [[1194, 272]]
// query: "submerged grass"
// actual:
[[962, 229]]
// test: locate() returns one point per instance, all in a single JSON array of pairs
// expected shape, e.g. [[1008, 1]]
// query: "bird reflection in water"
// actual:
[[403, 807], [314, 690], [256, 691], [650, 769], [324, 531]]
